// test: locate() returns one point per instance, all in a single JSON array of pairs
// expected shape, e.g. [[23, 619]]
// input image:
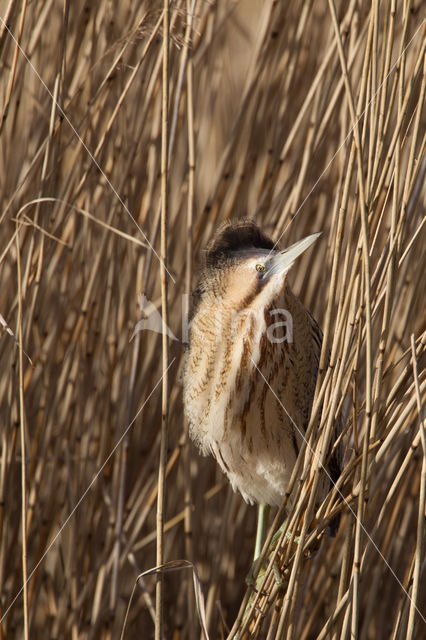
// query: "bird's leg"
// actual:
[[262, 526], [263, 511]]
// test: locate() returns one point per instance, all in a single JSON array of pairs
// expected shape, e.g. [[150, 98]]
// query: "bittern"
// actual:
[[252, 361]]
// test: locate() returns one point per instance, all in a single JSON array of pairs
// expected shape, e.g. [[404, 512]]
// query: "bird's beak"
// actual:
[[281, 262]]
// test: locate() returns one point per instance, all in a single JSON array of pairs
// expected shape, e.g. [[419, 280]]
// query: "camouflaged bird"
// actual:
[[252, 361]]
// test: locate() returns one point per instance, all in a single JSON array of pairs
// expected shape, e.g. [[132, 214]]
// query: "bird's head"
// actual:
[[243, 269]]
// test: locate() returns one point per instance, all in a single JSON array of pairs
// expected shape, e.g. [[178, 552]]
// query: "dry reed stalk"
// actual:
[[161, 498], [188, 513], [24, 502]]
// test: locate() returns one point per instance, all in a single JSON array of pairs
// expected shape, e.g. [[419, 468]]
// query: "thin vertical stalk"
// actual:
[[191, 152], [392, 260], [188, 522], [381, 101], [159, 592], [23, 448], [372, 103], [422, 501], [14, 65]]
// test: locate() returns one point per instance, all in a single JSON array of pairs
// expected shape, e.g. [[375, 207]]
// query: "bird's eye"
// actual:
[[260, 267]]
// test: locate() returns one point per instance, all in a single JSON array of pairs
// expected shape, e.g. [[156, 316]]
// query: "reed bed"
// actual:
[[307, 116]]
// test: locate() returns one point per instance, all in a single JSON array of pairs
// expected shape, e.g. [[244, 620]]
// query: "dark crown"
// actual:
[[235, 236]]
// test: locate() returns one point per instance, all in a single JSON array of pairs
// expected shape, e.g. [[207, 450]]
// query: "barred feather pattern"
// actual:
[[247, 398]]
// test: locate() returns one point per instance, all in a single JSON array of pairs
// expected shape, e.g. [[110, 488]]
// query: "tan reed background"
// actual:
[[306, 116]]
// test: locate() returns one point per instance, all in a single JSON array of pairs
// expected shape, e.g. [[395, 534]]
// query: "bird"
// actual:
[[252, 361]]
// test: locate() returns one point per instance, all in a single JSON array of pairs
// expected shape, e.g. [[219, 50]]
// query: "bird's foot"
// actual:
[[279, 578], [255, 583], [287, 535]]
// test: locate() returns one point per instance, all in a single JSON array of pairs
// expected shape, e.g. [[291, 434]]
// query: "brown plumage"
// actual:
[[252, 361]]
